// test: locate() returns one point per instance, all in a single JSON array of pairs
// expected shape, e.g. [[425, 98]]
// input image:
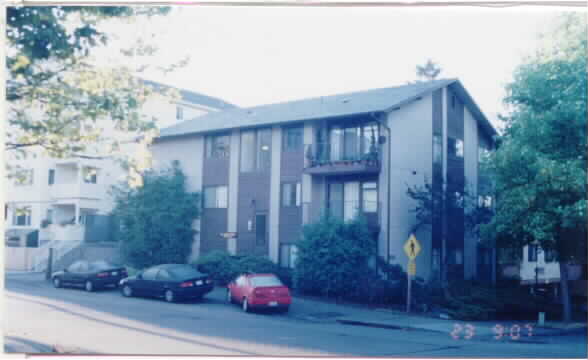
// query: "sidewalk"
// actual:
[[313, 309]]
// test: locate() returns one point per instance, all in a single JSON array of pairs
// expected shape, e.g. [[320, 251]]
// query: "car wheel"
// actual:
[[245, 305], [89, 286], [169, 296], [56, 282], [229, 296], [127, 291]]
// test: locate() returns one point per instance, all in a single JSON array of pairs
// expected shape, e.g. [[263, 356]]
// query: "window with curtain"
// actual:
[[215, 197], [288, 254], [217, 146], [247, 151], [370, 196], [291, 194], [369, 138], [292, 138], [264, 146]]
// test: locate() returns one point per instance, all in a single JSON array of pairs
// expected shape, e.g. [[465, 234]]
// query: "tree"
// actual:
[[539, 169], [156, 219], [429, 71], [434, 204], [333, 257], [60, 102]]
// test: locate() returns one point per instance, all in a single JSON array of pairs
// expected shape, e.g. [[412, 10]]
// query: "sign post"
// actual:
[[412, 248]]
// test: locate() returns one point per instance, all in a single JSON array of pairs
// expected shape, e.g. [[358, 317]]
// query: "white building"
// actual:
[[55, 196]]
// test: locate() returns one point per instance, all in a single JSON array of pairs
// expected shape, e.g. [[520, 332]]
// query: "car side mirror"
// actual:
[[64, 270], [139, 276]]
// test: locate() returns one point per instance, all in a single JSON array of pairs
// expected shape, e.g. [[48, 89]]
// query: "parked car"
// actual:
[[171, 282], [90, 275], [257, 291]]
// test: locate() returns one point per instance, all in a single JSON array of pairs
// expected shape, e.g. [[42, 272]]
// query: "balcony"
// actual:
[[344, 210], [78, 191], [326, 159]]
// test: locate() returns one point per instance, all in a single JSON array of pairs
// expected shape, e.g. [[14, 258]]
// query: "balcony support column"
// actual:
[[77, 213]]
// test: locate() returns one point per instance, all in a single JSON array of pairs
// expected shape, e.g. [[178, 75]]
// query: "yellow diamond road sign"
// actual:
[[412, 247]]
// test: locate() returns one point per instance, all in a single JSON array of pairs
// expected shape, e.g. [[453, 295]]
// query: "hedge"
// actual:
[[224, 267]]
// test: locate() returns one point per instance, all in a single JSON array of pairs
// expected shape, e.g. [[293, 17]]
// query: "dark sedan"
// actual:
[[171, 282], [90, 275]]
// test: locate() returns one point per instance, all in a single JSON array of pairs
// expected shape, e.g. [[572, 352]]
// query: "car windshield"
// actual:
[[102, 265], [184, 272], [261, 281]]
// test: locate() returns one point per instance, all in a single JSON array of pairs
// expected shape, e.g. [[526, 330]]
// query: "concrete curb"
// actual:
[[384, 326], [13, 344]]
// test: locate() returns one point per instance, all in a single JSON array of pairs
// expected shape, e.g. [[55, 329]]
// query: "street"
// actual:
[[105, 322]]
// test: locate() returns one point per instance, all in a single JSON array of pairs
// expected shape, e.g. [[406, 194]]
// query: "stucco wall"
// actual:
[[471, 174], [410, 156]]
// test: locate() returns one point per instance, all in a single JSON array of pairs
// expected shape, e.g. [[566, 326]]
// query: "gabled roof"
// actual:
[[194, 97], [361, 102]]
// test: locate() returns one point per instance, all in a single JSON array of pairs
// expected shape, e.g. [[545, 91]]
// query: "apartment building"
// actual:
[[56, 196], [265, 171]]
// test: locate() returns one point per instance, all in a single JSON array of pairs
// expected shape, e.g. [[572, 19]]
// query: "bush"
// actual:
[[333, 259], [223, 267], [156, 219]]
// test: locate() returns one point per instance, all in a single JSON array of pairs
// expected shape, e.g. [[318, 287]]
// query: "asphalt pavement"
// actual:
[[39, 318]]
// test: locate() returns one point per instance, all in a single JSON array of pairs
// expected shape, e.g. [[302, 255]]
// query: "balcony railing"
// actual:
[[326, 159], [82, 190], [343, 210]]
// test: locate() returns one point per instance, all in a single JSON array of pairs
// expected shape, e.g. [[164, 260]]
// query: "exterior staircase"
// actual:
[[61, 250]]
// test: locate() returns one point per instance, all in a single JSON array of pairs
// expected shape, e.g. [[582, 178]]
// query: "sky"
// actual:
[[259, 55]]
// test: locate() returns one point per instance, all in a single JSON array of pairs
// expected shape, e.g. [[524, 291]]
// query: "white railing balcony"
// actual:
[[78, 191], [70, 232]]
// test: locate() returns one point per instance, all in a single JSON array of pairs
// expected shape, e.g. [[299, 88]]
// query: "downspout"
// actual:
[[382, 121]]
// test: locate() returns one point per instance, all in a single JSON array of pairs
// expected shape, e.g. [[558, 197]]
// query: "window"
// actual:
[[90, 174], [51, 176], [247, 151], [452, 101], [215, 197], [264, 143], [241, 281], [370, 138], [179, 112], [50, 216], [455, 147], [549, 255], [370, 196], [23, 177], [260, 229], [184, 272], [217, 146], [292, 138], [163, 275], [265, 281], [532, 253], [485, 201], [288, 255], [22, 216], [74, 267], [256, 150], [150, 274], [437, 149], [291, 195]]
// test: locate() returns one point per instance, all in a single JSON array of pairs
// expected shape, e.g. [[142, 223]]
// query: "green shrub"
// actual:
[[220, 265], [223, 267], [333, 259]]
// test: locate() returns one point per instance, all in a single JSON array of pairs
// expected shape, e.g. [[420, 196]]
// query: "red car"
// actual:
[[257, 291]]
